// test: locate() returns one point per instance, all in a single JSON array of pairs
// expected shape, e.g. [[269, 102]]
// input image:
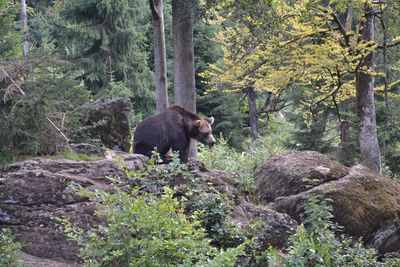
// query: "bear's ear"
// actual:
[[210, 120], [197, 123]]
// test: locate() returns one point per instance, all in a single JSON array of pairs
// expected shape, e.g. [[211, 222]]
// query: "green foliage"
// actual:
[[225, 108], [301, 48], [146, 230], [229, 116], [85, 133], [316, 243], [212, 211], [389, 136], [243, 163], [38, 93], [173, 169], [9, 248], [10, 36], [107, 42]]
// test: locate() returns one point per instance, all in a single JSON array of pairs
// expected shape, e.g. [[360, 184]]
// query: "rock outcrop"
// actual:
[[276, 227], [112, 123], [365, 203], [35, 193]]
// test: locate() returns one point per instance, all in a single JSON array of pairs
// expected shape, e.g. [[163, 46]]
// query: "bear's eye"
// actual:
[[204, 135]]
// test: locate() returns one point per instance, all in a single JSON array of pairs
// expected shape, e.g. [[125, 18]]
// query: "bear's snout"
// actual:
[[211, 141]]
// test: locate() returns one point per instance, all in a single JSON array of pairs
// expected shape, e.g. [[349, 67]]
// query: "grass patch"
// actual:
[[76, 156]]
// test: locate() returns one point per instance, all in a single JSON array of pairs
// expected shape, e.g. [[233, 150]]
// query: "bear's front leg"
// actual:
[[183, 147]]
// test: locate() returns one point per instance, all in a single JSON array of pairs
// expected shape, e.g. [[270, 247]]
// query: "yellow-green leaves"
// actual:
[[301, 46]]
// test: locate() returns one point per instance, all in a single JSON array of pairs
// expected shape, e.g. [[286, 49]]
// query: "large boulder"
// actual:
[[290, 173], [112, 123], [275, 228], [34, 193], [365, 203]]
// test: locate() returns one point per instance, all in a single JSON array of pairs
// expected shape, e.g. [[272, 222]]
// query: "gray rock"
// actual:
[[88, 149], [289, 173], [113, 131], [276, 227], [34, 193], [365, 203]]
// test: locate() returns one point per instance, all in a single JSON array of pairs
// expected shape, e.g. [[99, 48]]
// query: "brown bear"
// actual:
[[172, 129]]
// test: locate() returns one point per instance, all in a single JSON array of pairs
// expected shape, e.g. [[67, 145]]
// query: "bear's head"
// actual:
[[203, 131]]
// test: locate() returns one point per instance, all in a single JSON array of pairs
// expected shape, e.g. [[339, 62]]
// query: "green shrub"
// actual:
[[52, 101], [315, 243], [147, 230], [9, 248], [243, 163]]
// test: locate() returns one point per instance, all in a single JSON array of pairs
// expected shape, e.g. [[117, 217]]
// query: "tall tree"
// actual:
[[311, 50], [10, 36], [107, 42], [184, 75], [23, 17], [365, 80], [253, 116], [160, 57]]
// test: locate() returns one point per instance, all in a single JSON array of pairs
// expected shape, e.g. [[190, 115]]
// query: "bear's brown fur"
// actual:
[[172, 129]]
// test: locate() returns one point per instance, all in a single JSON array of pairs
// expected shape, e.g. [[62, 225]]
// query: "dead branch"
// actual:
[[58, 130]]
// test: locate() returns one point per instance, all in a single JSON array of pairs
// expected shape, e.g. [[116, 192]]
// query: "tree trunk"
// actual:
[[23, 17], [369, 147], [345, 151], [184, 76], [253, 116], [160, 58], [349, 18]]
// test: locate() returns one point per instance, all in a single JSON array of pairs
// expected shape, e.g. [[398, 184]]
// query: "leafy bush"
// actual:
[[243, 163], [146, 230], [316, 244], [9, 249]]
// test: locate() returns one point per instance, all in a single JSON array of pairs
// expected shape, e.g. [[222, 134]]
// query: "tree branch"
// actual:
[[341, 28], [334, 92], [388, 45], [58, 130]]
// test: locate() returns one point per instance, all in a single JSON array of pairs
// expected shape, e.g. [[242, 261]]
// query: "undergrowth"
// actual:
[[318, 242], [9, 249], [243, 163], [150, 228]]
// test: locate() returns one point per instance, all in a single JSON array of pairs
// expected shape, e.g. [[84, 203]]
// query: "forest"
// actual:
[[320, 78]]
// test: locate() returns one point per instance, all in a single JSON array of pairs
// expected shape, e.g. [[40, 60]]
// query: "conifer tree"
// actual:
[[107, 40], [10, 37]]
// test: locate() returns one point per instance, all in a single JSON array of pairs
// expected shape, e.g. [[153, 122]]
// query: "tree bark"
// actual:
[[23, 17], [253, 115], [160, 58], [345, 152], [184, 75], [369, 147], [349, 18]]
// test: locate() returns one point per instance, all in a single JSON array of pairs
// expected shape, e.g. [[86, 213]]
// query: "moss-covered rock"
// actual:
[[365, 203], [289, 173], [112, 120]]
